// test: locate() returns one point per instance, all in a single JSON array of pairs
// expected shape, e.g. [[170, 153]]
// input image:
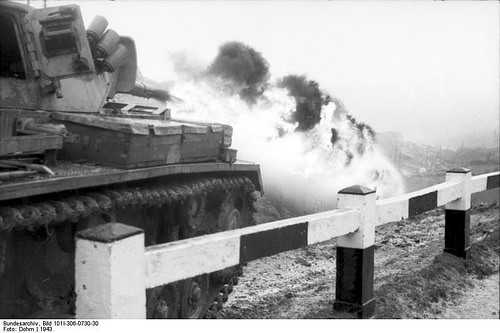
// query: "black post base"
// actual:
[[457, 233], [354, 281], [364, 311]]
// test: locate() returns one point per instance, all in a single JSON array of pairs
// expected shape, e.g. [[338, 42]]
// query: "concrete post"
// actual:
[[355, 255], [457, 216], [110, 275]]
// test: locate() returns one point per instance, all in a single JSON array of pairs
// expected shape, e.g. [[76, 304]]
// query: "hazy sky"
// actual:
[[427, 69]]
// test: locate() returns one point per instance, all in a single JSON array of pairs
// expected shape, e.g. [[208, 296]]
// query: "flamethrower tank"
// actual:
[[73, 156]]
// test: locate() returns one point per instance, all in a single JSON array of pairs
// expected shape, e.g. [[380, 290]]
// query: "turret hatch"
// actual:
[[60, 41]]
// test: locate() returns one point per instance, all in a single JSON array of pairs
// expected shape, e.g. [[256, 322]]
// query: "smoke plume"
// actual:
[[308, 100], [307, 144], [244, 67]]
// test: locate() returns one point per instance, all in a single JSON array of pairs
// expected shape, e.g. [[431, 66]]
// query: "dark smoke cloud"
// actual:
[[309, 100], [334, 137], [244, 67], [363, 130], [246, 72]]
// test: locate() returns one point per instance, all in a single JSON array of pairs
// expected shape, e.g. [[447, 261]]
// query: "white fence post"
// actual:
[[457, 216], [355, 255], [110, 272]]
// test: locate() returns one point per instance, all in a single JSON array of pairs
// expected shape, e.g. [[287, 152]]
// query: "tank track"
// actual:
[[223, 295], [77, 207], [49, 214]]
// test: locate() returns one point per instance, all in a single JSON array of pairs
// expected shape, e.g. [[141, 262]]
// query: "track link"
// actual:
[[223, 295], [76, 207]]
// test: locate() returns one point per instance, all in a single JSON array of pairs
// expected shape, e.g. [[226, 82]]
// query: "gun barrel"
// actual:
[[142, 90]]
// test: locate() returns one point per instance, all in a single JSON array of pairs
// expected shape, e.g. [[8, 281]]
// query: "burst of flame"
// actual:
[[300, 167]]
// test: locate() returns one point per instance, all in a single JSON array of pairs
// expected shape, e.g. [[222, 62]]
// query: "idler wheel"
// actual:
[[229, 216], [163, 302], [194, 212], [233, 219], [195, 297]]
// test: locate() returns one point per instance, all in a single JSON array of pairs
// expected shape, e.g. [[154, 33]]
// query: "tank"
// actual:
[[83, 142]]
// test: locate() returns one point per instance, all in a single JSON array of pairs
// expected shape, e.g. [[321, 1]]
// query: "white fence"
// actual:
[[113, 268]]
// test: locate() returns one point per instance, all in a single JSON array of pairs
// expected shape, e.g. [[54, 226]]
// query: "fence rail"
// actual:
[[106, 287]]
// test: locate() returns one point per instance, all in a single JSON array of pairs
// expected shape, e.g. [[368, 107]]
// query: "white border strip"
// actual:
[[170, 262], [184, 259], [479, 183], [449, 191], [397, 208], [325, 226], [392, 209]]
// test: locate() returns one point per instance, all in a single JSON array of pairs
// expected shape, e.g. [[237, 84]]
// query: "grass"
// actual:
[[422, 294]]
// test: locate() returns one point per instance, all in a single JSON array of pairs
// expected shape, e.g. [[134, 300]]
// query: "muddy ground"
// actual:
[[413, 277]]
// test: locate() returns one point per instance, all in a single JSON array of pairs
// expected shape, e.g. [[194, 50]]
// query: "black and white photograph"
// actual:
[[237, 160]]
